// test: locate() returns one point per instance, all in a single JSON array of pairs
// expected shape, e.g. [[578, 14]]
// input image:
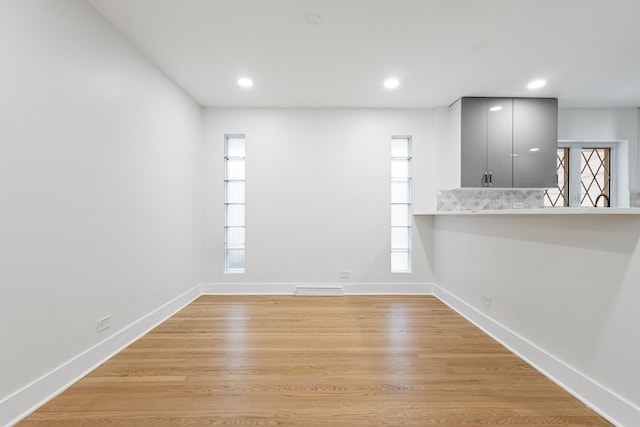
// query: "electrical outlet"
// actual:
[[104, 323], [518, 205], [486, 300], [344, 274]]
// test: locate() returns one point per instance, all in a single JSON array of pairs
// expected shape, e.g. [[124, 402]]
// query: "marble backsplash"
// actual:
[[634, 199], [464, 199]]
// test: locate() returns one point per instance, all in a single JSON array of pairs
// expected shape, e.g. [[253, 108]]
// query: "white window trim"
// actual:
[[619, 190]]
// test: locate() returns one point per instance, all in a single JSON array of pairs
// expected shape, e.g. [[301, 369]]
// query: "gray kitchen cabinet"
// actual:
[[535, 142], [508, 142]]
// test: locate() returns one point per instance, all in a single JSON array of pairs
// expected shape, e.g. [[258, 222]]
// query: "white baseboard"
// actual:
[[289, 288], [21, 403], [605, 402]]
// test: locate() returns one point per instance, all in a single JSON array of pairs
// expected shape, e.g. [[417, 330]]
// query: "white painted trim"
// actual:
[[605, 402], [21, 403], [289, 288]]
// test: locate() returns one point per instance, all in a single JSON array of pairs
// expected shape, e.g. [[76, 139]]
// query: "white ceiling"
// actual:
[[588, 50]]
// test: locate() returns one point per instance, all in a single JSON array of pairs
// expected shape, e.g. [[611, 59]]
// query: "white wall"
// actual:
[[566, 285], [99, 186], [317, 194], [448, 149]]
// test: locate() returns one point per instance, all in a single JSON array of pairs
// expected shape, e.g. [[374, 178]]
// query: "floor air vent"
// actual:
[[319, 291]]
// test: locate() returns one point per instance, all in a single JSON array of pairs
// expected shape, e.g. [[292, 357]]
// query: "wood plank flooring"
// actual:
[[315, 361]]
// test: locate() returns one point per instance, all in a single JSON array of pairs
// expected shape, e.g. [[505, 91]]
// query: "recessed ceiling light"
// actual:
[[391, 83], [496, 108], [536, 84], [244, 82]]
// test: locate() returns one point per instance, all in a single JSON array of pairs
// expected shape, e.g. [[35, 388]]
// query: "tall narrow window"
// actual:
[[234, 186], [596, 177], [400, 204]]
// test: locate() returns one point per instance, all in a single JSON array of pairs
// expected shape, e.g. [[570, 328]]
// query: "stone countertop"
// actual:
[[539, 211]]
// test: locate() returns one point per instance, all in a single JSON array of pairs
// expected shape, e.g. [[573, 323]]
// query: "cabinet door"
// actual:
[[473, 141], [535, 142], [499, 142]]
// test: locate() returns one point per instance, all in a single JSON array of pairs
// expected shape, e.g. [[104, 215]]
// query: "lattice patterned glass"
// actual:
[[559, 196], [595, 173]]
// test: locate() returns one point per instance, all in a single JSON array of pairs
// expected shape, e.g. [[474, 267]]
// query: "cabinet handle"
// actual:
[[490, 179], [485, 181]]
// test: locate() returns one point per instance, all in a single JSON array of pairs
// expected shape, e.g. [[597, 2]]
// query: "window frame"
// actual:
[[227, 204], [408, 250], [575, 162]]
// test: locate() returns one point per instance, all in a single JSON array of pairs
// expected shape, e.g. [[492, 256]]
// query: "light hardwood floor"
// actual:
[[315, 361]]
